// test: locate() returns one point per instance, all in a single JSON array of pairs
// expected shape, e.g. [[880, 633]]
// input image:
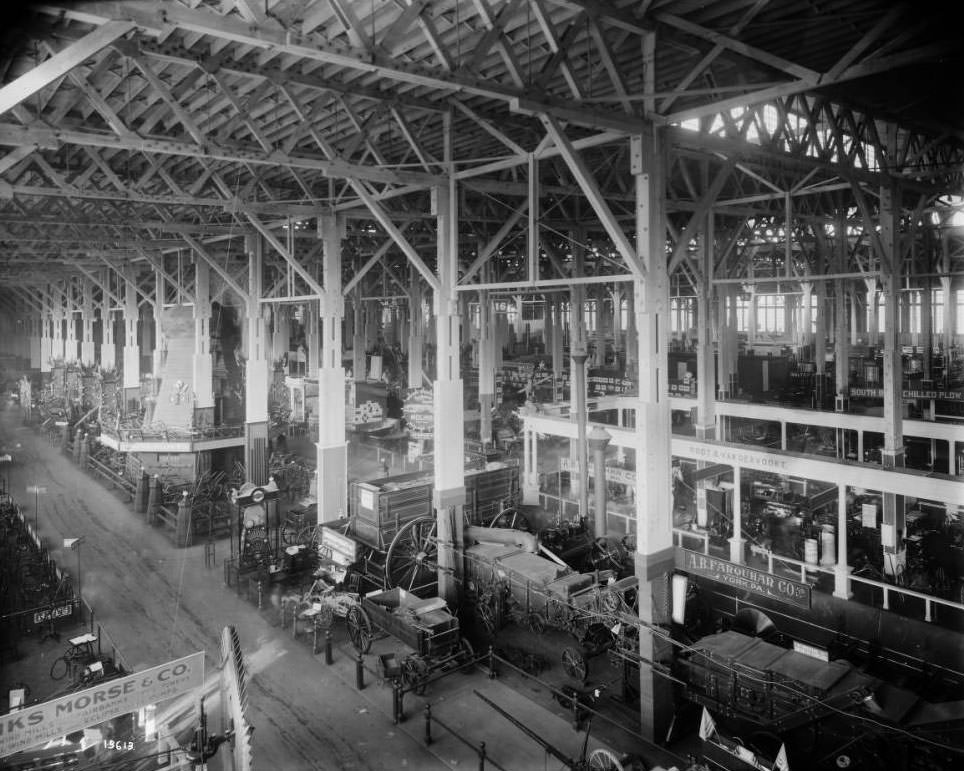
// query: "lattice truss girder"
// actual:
[[212, 120]]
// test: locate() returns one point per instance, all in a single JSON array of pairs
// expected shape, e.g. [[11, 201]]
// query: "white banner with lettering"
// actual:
[[40, 723]]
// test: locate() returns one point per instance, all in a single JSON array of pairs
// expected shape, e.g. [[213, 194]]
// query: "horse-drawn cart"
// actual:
[[424, 625]]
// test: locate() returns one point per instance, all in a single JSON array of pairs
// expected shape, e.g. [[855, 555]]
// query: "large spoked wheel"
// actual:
[[411, 562], [512, 519], [604, 760], [575, 665], [359, 629], [607, 554]]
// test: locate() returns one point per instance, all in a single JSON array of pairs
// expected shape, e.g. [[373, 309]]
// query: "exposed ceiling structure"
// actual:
[[138, 136]]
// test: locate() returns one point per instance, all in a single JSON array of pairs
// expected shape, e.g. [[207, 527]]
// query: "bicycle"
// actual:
[[79, 653]]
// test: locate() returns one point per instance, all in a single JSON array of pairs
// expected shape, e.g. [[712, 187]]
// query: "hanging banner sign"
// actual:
[[623, 476], [909, 393], [748, 579], [58, 717]]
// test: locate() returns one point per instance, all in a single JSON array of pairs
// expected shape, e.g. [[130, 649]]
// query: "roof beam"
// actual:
[[157, 21], [298, 268], [590, 188], [494, 242], [52, 139], [380, 252], [61, 63]]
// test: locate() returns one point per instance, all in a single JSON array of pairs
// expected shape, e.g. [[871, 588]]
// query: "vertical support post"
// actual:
[[332, 449], [654, 547], [449, 432], [892, 454], [359, 672], [256, 370], [202, 363], [736, 540]]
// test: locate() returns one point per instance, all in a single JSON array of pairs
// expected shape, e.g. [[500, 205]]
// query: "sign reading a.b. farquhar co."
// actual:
[[743, 577]]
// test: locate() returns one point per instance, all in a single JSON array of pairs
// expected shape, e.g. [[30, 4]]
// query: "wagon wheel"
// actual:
[[359, 629], [603, 760], [412, 558], [575, 664]]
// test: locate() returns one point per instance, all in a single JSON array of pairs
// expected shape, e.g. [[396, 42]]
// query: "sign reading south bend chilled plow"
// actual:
[[41, 723], [743, 577]]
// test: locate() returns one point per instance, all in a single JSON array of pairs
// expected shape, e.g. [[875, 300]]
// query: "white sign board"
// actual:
[[55, 718]]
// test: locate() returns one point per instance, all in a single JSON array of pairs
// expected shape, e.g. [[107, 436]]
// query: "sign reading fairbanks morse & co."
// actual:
[[40, 723], [749, 579]]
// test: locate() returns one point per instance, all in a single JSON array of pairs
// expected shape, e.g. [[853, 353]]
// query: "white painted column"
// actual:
[[132, 349], [486, 347], [449, 489], [57, 321], [257, 372], [654, 521], [892, 454], [312, 339], [416, 335], [841, 571], [202, 363], [359, 360], [87, 349], [71, 343], [332, 448], [46, 336], [159, 343], [108, 350], [36, 334]]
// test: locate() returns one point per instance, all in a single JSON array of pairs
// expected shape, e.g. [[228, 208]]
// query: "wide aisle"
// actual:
[[158, 603]]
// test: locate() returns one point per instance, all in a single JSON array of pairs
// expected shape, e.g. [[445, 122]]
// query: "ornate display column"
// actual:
[[449, 491], [332, 447], [202, 368], [654, 525], [257, 372], [132, 350]]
